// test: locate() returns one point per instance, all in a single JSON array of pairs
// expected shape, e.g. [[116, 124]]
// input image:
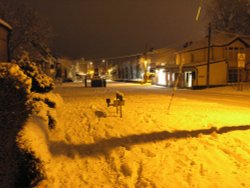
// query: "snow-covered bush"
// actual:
[[15, 88], [19, 165], [41, 82], [18, 101], [44, 105]]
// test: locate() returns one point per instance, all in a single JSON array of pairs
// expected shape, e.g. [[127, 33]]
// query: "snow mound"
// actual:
[[35, 143]]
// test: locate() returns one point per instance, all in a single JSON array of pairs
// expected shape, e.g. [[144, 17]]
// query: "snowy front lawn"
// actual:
[[198, 144]]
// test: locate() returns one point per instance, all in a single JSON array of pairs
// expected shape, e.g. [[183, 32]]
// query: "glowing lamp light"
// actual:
[[91, 72], [148, 68], [110, 70]]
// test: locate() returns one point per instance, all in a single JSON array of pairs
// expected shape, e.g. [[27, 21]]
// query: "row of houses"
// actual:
[[228, 62]]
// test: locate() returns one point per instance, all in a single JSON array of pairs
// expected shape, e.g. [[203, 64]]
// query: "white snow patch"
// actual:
[[147, 147]]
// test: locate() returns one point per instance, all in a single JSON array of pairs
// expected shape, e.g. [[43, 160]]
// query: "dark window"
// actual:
[[137, 71], [193, 75], [232, 75], [126, 73], [131, 72]]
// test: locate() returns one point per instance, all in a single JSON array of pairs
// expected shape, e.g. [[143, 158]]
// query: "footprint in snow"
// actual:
[[100, 114]]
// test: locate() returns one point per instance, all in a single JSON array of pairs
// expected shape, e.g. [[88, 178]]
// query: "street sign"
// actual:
[[241, 60]]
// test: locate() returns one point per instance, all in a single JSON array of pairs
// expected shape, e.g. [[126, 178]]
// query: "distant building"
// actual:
[[73, 70], [159, 60], [127, 68], [164, 64], [5, 30], [223, 66]]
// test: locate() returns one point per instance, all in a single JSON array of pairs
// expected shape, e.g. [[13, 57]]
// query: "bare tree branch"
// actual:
[[27, 26], [231, 16]]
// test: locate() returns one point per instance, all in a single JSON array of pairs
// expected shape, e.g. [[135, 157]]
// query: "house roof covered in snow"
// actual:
[[5, 24], [163, 55], [217, 40]]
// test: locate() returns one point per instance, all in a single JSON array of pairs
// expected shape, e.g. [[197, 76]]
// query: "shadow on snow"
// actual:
[[104, 146]]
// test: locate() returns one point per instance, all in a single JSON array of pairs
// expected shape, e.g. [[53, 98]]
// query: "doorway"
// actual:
[[248, 72], [162, 77], [188, 79]]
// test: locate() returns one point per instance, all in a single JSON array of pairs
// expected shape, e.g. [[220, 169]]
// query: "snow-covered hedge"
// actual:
[[18, 101], [15, 88], [44, 105], [41, 82]]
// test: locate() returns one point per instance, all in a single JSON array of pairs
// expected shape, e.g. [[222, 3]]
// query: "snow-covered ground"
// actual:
[[198, 143]]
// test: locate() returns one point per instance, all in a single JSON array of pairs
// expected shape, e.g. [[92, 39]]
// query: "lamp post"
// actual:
[[146, 62], [105, 67], [208, 55], [145, 71]]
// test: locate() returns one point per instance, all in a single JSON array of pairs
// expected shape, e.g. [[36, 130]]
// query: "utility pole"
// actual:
[[145, 63], [208, 54]]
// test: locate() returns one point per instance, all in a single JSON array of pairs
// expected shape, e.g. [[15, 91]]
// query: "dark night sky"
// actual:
[[109, 28]]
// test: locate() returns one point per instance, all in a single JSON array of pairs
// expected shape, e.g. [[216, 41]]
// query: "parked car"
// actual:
[[97, 81]]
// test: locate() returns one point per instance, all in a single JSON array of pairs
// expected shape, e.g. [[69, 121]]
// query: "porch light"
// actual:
[[91, 72], [110, 71], [145, 64]]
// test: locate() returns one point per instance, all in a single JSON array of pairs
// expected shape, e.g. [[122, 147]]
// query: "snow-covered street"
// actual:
[[125, 94], [199, 143]]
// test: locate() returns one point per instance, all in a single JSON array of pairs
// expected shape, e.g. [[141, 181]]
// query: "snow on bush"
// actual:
[[44, 105], [41, 83], [14, 111], [19, 103], [14, 92], [34, 135]]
